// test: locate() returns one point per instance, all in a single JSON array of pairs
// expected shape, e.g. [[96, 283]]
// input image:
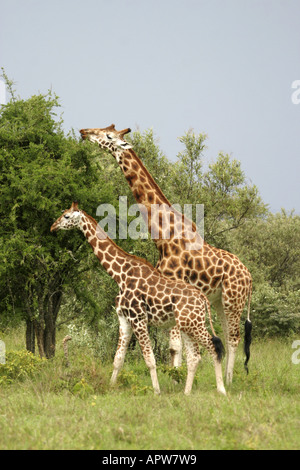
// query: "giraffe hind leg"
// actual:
[[175, 347], [143, 338], [230, 345], [230, 320], [247, 343], [215, 348]]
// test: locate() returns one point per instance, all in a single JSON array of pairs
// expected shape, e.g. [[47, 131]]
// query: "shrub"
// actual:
[[83, 389], [274, 312], [18, 365]]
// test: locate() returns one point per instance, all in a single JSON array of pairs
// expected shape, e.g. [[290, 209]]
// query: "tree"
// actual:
[[41, 172], [222, 188], [271, 249]]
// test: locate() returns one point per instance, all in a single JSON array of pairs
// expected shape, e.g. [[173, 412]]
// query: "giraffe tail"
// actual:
[[219, 348], [216, 341], [248, 332]]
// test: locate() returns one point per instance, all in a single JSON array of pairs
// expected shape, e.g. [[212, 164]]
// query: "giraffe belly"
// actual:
[[161, 318]]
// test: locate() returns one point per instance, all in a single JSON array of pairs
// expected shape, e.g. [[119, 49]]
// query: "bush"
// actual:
[[274, 312], [18, 365]]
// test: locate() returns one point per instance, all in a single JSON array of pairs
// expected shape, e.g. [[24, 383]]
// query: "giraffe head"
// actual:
[[107, 137], [68, 220]]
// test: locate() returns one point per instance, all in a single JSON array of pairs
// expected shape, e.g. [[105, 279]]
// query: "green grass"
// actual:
[[73, 408]]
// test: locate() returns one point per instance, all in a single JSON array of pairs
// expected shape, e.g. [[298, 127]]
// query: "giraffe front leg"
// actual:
[[143, 338], [125, 333], [175, 347]]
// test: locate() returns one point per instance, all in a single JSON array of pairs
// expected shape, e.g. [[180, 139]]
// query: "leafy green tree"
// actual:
[[271, 249], [41, 172], [221, 187], [272, 246]]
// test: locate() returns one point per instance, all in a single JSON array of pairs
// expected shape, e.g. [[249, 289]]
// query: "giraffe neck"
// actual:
[[143, 186], [110, 255], [164, 223]]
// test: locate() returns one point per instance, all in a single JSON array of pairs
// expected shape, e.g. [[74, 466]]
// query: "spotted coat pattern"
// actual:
[[146, 297], [220, 275]]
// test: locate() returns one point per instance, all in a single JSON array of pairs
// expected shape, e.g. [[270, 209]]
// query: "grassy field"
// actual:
[[55, 407]]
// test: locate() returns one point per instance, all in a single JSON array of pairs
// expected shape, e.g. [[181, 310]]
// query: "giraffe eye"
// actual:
[[66, 216], [108, 136]]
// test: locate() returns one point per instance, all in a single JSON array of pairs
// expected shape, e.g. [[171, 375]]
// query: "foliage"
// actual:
[[41, 172], [178, 374], [19, 364], [43, 412], [83, 389], [270, 248], [54, 279], [222, 188], [275, 312], [130, 380]]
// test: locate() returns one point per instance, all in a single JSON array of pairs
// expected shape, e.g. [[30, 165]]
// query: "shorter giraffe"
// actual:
[[147, 297]]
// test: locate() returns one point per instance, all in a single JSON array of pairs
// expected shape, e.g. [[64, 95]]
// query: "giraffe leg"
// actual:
[[193, 359], [125, 333], [143, 338], [193, 335], [233, 342], [175, 347], [230, 321], [219, 376], [206, 341], [230, 353]]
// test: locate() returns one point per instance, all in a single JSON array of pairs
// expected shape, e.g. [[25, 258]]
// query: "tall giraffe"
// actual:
[[146, 297], [218, 274]]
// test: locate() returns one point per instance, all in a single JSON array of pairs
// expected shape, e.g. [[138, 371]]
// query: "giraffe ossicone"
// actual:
[[146, 297]]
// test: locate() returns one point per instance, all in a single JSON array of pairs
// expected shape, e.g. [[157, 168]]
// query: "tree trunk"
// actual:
[[30, 335], [39, 333], [43, 328], [50, 338]]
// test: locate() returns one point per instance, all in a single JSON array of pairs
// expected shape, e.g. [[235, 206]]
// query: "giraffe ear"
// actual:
[[74, 206]]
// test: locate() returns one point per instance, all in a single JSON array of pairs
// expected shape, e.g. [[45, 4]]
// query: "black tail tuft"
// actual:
[[247, 342], [219, 348]]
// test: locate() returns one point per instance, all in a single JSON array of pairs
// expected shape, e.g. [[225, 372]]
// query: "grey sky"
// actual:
[[221, 67]]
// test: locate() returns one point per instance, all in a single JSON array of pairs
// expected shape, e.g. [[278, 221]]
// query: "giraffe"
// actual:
[[147, 297], [218, 274]]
